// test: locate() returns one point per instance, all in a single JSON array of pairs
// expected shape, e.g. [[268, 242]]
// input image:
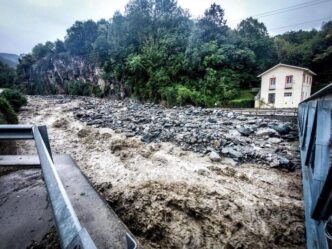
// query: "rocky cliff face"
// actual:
[[53, 73]]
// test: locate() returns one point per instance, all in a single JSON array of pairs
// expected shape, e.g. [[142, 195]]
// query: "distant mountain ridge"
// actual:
[[9, 59]]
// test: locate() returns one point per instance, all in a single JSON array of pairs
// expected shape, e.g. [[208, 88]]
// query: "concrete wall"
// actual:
[[298, 86]]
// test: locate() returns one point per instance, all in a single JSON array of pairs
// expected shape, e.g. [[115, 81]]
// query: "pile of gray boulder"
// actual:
[[224, 135]]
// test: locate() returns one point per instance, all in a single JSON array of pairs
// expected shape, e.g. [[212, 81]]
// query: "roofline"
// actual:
[[322, 92], [286, 65]]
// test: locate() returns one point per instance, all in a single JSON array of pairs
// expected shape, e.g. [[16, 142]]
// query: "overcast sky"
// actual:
[[24, 23]]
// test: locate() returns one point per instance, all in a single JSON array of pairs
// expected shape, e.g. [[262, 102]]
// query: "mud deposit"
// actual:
[[171, 198]]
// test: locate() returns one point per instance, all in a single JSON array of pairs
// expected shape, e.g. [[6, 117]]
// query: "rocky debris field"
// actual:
[[174, 198], [224, 135]]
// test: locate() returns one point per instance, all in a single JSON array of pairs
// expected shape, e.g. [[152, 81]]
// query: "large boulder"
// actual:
[[266, 132], [214, 156], [282, 129], [245, 130], [236, 155]]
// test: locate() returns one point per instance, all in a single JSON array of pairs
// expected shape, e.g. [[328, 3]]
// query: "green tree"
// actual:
[[254, 36], [24, 67], [80, 37], [155, 51], [59, 47], [7, 75], [15, 98], [41, 50]]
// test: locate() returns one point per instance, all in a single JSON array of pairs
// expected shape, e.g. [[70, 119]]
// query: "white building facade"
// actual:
[[284, 86]]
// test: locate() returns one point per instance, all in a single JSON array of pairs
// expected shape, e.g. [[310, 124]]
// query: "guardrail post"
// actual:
[[43, 132]]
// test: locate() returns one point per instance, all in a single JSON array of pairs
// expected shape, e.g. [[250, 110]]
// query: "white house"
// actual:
[[284, 86]]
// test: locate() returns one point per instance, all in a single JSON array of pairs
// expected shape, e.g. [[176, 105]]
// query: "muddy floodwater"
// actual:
[[172, 198]]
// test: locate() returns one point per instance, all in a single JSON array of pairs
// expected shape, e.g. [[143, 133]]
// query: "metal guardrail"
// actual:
[[315, 133], [72, 234]]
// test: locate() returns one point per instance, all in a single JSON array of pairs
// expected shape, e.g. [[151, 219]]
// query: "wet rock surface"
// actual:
[[245, 139]]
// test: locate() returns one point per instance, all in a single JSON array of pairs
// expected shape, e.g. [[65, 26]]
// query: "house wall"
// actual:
[[307, 83], [298, 86]]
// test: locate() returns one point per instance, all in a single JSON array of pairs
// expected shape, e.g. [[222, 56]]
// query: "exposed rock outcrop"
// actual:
[[53, 72]]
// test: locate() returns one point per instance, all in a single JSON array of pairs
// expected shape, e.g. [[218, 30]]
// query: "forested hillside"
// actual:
[[156, 51], [9, 59]]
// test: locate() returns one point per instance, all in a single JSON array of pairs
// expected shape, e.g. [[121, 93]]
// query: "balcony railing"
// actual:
[[272, 87]]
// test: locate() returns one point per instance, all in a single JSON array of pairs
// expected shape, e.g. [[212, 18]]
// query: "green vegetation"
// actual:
[[15, 98], [246, 94], [10, 102], [7, 75], [7, 113], [242, 103], [155, 51], [245, 99], [312, 49], [82, 89]]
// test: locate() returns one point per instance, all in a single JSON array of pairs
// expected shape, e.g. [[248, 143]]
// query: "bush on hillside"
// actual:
[[7, 113], [15, 98], [182, 95], [78, 88]]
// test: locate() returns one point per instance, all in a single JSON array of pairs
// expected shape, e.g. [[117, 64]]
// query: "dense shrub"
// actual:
[[182, 95], [15, 98], [82, 89], [97, 91], [73, 88], [7, 113], [246, 94], [242, 103]]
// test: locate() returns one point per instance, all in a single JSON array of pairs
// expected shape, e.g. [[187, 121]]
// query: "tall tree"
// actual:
[[254, 36], [7, 75], [80, 37]]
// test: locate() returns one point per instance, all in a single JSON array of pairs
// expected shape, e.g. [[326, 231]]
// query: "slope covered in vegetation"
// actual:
[[10, 103], [156, 51], [10, 59]]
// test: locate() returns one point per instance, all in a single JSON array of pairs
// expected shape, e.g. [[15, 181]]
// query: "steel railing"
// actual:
[[71, 232], [315, 133]]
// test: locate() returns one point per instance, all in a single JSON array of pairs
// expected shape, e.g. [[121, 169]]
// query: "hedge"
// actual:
[[242, 103]]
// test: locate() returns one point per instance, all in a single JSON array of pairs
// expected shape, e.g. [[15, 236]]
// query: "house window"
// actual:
[[289, 79], [288, 94], [272, 97], [272, 83]]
